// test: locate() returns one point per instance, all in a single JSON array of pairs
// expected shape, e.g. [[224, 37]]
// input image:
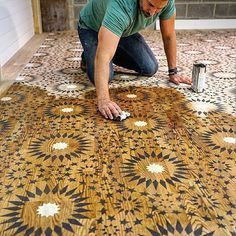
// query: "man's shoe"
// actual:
[[83, 66]]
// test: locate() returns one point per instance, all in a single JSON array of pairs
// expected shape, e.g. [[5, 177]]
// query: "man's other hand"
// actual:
[[177, 79], [108, 108]]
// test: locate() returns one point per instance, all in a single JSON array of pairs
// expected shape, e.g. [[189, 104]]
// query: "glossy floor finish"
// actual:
[[167, 170]]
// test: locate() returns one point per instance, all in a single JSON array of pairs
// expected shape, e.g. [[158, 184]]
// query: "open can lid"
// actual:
[[200, 65]]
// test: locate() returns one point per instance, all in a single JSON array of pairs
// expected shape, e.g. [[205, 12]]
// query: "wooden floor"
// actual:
[[14, 66], [170, 169]]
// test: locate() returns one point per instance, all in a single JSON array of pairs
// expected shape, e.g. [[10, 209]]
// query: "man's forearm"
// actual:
[[101, 77], [170, 50]]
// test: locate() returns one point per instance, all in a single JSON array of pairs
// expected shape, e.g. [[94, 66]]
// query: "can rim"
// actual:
[[202, 65]]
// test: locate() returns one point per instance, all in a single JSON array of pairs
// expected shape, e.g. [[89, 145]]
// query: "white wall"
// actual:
[[16, 27]]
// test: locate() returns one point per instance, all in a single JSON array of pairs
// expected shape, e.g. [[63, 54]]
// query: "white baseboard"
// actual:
[[203, 24]]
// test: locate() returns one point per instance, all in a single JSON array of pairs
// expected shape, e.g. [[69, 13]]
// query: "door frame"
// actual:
[[37, 16]]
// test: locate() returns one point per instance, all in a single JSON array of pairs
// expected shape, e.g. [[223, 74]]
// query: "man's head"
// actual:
[[152, 7]]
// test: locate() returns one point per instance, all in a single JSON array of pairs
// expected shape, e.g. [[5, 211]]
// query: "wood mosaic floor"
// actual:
[[167, 170]]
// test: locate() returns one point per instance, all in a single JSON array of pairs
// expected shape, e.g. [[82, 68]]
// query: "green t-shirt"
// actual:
[[122, 17]]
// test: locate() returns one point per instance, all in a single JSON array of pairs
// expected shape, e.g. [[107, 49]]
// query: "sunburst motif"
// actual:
[[170, 169], [59, 146], [126, 78], [141, 125], [203, 107], [11, 99], [224, 75], [67, 109], [216, 139], [47, 209], [69, 88], [133, 95], [24, 78]]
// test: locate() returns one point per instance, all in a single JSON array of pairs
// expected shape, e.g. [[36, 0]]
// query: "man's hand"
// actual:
[[108, 108], [177, 79]]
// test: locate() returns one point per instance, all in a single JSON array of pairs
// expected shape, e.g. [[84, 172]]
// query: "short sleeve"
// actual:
[[116, 19], [168, 11]]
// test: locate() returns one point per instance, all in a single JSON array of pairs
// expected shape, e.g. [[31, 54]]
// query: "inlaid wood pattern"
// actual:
[[167, 170]]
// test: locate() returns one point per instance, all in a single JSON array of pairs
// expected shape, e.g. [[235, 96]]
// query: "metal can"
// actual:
[[198, 77]]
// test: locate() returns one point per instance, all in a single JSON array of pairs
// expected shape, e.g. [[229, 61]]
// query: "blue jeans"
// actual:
[[132, 53]]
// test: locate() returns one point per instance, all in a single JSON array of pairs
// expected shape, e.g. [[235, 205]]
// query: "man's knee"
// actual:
[[150, 69]]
